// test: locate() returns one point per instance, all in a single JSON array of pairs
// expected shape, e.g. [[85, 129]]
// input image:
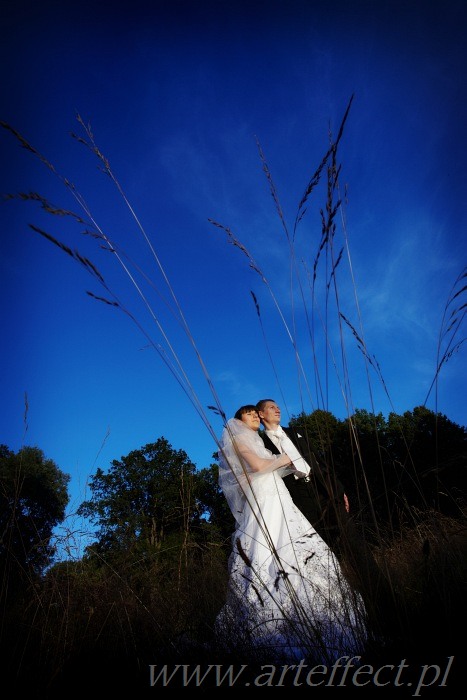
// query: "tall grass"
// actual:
[[119, 621]]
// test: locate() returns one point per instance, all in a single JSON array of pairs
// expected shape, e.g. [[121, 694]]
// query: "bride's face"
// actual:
[[251, 419]]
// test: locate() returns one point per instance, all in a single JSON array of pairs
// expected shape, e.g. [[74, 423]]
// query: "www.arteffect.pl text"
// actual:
[[346, 671]]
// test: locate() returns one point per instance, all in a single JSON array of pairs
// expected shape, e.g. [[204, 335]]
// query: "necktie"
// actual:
[[276, 436]]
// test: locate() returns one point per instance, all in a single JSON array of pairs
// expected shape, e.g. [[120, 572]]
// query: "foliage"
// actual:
[[86, 619], [414, 460], [216, 508], [143, 499], [436, 449], [320, 427], [150, 588], [33, 498]]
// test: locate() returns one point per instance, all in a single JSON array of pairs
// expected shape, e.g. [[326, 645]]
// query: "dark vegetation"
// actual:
[[147, 591]]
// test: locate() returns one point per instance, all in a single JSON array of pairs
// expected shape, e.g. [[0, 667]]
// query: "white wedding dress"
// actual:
[[287, 597]]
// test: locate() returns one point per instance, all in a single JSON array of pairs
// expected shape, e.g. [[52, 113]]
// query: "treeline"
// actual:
[[148, 588], [391, 466]]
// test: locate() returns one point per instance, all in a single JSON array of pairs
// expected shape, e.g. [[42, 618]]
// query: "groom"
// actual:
[[320, 496]]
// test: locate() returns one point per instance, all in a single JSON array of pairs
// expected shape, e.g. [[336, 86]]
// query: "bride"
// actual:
[[287, 597]]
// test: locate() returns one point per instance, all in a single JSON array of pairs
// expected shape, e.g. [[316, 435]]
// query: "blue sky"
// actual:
[[177, 95]]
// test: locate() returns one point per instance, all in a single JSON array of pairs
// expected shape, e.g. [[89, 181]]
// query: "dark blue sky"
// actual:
[[176, 94]]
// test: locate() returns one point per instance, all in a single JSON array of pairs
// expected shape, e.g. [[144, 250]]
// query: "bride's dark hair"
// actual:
[[245, 409]]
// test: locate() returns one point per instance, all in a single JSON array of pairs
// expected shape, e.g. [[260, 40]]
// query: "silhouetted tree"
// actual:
[[143, 499], [320, 427], [33, 499], [213, 501], [429, 459], [415, 460]]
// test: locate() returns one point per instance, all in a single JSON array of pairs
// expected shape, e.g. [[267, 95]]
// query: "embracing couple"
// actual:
[[288, 596]]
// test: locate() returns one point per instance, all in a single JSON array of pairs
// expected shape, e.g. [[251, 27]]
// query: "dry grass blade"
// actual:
[[255, 267], [335, 265], [268, 349], [45, 204], [453, 320], [90, 267], [24, 143], [218, 412], [314, 180], [26, 411], [91, 145], [360, 342], [242, 553], [273, 190], [106, 301], [236, 243]]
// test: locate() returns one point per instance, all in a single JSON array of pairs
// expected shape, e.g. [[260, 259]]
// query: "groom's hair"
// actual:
[[261, 404]]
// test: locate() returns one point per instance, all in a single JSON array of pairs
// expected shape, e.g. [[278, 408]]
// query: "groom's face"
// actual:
[[271, 413]]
